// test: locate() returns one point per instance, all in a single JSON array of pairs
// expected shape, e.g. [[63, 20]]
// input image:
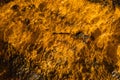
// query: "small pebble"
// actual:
[[79, 35], [116, 75]]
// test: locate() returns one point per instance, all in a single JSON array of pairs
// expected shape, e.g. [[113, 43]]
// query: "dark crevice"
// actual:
[[3, 2]]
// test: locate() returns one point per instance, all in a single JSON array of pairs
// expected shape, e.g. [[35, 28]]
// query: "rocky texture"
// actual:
[[59, 40]]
